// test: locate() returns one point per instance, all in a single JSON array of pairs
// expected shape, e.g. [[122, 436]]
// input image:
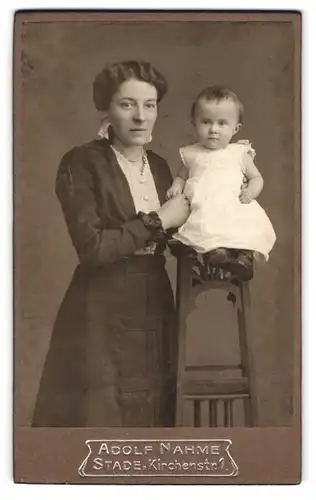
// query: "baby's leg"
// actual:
[[217, 256], [241, 264], [216, 264], [233, 263]]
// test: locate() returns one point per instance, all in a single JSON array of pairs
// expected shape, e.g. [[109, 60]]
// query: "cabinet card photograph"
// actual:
[[157, 247]]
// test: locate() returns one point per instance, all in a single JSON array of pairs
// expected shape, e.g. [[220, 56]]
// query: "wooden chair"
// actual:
[[214, 391]]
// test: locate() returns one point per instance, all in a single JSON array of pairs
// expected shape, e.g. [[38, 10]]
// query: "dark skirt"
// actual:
[[112, 359]]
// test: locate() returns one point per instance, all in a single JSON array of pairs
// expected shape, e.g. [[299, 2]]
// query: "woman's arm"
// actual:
[[254, 181], [94, 244]]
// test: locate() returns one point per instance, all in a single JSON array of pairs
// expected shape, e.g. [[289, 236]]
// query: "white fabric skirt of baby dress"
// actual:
[[218, 218]]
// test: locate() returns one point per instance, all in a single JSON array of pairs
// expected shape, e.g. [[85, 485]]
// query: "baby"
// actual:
[[222, 182]]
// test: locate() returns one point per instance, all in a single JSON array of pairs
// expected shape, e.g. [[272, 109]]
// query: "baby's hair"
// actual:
[[218, 93]]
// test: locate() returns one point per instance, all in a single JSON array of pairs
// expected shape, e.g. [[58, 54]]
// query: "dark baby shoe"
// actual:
[[241, 264], [216, 263], [217, 257], [237, 264]]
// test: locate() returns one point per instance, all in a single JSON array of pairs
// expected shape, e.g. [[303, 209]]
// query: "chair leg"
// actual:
[[182, 301], [197, 412], [248, 413], [212, 408], [246, 353], [231, 415], [226, 413]]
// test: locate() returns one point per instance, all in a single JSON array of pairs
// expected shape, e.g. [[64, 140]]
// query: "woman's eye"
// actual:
[[150, 105], [126, 105]]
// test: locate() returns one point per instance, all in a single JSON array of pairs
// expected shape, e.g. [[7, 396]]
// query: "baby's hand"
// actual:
[[174, 191], [245, 195]]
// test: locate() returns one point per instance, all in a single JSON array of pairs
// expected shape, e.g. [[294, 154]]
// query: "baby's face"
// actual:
[[216, 122]]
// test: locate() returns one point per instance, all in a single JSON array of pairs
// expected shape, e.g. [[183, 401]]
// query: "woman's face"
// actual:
[[133, 112]]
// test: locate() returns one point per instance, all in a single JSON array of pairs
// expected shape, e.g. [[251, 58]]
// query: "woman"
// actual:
[[112, 356]]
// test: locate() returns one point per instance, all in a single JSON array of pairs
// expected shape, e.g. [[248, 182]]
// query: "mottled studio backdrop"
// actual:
[[60, 60]]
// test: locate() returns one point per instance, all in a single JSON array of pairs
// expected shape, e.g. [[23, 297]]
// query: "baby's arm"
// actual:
[[254, 185], [178, 183]]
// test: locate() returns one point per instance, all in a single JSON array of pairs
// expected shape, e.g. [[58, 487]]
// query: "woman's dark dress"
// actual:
[[112, 356]]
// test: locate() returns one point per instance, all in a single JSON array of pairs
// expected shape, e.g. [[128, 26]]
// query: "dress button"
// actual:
[[145, 198], [142, 180]]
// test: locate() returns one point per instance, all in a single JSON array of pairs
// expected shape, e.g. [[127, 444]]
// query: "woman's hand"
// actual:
[[174, 212]]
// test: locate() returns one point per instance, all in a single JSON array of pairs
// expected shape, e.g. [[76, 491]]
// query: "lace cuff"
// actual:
[[152, 222]]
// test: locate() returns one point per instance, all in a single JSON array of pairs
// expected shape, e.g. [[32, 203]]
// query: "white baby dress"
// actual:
[[218, 218]]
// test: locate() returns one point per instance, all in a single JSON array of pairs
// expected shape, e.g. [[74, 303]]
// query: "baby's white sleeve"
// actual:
[[183, 156], [248, 152]]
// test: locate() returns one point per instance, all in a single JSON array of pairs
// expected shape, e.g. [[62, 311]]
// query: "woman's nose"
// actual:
[[139, 114]]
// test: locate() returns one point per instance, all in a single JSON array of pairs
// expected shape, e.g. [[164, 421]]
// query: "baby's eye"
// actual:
[[205, 122], [222, 123]]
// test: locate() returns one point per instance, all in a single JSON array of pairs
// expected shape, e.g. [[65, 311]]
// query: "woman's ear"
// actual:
[[103, 115], [103, 132]]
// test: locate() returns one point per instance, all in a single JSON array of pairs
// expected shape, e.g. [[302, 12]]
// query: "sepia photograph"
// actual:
[[157, 246]]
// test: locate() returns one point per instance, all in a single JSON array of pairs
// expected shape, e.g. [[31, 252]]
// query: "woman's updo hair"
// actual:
[[109, 80]]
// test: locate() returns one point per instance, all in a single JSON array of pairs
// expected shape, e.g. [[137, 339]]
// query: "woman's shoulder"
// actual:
[[86, 156], [158, 164], [154, 157], [100, 148], [160, 168], [86, 151]]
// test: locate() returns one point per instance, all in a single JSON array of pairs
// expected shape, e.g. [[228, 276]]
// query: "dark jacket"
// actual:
[[112, 355], [97, 203]]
